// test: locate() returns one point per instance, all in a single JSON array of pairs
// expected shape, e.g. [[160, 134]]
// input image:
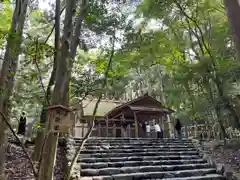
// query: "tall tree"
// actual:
[[233, 12], [69, 44], [9, 69]]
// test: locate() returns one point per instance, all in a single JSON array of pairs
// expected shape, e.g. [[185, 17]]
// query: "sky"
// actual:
[[43, 4]]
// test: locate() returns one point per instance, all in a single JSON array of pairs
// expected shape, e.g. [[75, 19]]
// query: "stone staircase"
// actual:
[[132, 159]]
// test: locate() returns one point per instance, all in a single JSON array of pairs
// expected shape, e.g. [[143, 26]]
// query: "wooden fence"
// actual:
[[208, 132]]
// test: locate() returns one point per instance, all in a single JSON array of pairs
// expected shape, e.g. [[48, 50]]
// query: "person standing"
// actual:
[[144, 129], [157, 130], [178, 128], [22, 124], [148, 128]]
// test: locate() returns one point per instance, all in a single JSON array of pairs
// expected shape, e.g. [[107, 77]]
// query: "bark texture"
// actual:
[[9, 69], [43, 118], [60, 92], [233, 14]]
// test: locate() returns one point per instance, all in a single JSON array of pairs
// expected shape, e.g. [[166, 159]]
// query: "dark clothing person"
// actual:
[[22, 125], [144, 127], [178, 128], [159, 134]]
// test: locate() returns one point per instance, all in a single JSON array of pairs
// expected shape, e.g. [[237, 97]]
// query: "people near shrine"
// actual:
[[158, 130], [124, 125], [144, 129], [178, 127], [22, 124], [148, 129]]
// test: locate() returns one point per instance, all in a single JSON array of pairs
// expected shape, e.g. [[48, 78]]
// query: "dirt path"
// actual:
[[18, 168]]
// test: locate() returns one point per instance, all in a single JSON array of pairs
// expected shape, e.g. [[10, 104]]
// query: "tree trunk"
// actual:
[[233, 12], [163, 99], [227, 104], [43, 117], [217, 112], [60, 92], [8, 71]]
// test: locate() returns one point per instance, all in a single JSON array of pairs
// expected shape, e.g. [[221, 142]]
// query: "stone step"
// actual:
[[147, 153], [155, 175], [140, 169], [100, 150], [138, 158], [133, 139], [131, 146], [139, 163], [136, 142], [207, 177]]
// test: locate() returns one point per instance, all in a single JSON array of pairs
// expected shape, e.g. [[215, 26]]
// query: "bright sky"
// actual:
[[44, 4]]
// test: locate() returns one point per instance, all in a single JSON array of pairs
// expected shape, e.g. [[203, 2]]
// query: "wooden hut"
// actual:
[[118, 119]]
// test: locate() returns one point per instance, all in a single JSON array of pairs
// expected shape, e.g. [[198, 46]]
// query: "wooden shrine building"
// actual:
[[124, 119]]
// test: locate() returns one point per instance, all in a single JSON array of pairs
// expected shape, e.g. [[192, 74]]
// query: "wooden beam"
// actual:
[[114, 130], [136, 124], [107, 126], [83, 128], [99, 130], [129, 130]]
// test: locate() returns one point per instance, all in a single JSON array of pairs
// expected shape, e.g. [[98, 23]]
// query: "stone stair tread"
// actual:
[[151, 175], [147, 153], [134, 139], [134, 147], [139, 163], [139, 169], [137, 144], [207, 177], [102, 150], [137, 158]]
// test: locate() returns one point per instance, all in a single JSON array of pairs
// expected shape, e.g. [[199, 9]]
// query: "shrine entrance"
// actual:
[[127, 119], [123, 119]]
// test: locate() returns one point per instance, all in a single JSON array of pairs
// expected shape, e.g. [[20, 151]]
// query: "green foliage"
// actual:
[[175, 50]]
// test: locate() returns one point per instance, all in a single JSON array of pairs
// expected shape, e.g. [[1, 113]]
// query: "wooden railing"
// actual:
[[208, 132]]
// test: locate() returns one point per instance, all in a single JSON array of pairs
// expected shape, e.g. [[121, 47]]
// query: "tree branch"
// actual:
[[85, 138], [49, 35]]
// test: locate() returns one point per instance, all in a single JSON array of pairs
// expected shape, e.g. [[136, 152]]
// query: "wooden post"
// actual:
[[114, 129], [136, 124], [186, 131], [83, 127], [99, 129], [107, 126], [129, 130], [195, 130]]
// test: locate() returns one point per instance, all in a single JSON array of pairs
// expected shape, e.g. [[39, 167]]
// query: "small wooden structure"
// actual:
[[125, 119], [83, 112]]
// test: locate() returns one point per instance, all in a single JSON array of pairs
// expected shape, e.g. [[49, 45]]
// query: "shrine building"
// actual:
[[119, 118]]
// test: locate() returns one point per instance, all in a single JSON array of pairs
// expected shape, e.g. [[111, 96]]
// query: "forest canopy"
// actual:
[[183, 53]]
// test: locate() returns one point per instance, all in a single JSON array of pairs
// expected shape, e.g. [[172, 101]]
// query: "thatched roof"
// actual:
[[144, 103], [104, 106]]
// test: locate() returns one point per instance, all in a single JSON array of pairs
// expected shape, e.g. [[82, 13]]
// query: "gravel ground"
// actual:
[[18, 167]]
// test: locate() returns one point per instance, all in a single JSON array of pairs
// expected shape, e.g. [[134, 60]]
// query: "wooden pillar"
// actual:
[[129, 130], [186, 131], [195, 130], [107, 126], [99, 129], [83, 128], [114, 129], [136, 124]]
